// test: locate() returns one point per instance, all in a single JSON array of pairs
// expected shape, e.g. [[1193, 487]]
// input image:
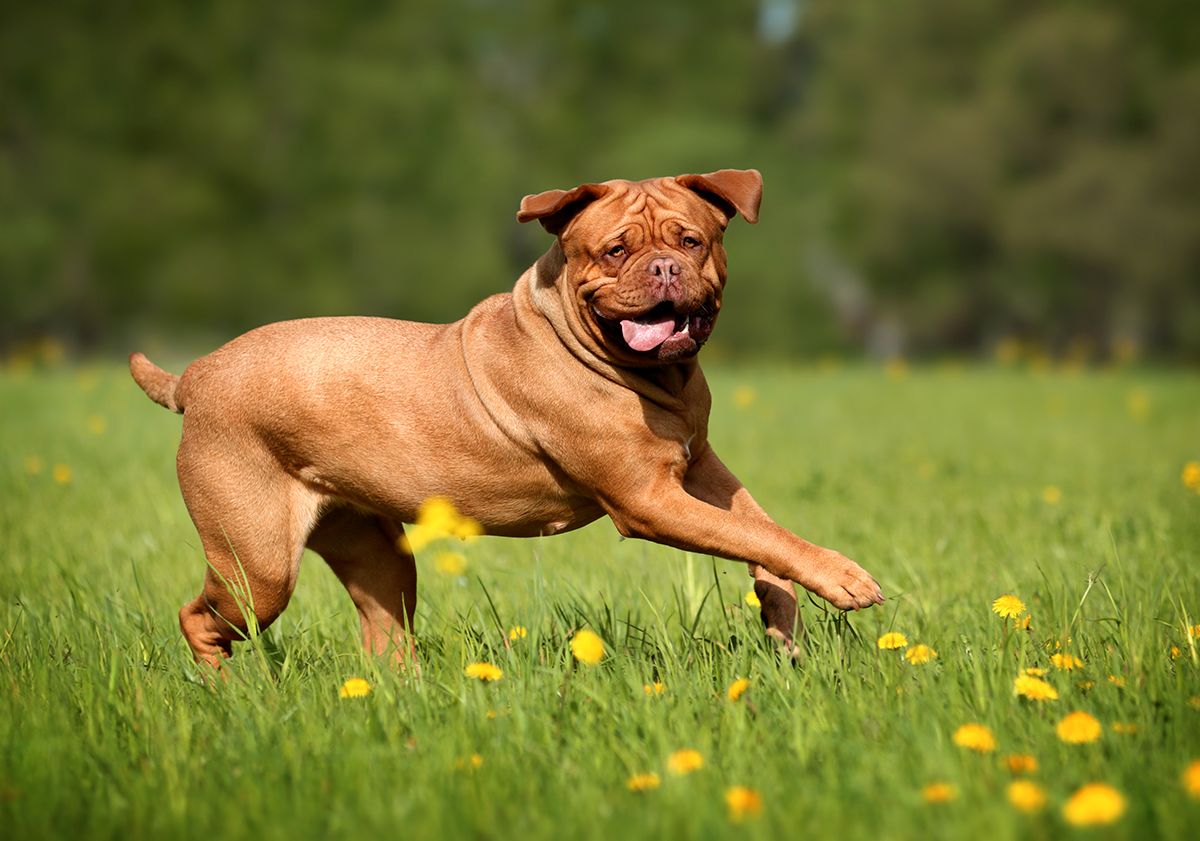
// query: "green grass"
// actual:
[[934, 482]]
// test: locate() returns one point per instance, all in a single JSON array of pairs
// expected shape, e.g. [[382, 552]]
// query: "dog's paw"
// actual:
[[843, 583]]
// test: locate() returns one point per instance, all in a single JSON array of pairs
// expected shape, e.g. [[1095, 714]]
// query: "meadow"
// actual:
[[954, 485]]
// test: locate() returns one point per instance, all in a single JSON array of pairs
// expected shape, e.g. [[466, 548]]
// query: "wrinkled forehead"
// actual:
[[649, 205]]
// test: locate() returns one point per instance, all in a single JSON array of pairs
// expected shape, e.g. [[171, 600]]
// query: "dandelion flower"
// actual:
[[1008, 607], [643, 782], [742, 802], [1022, 623], [1066, 662], [355, 687], [1194, 632], [1124, 728], [1052, 494], [1191, 779], [1175, 652], [655, 688], [975, 737], [438, 519], [1034, 688], [1116, 680], [483, 671], [450, 563], [587, 647], [685, 761], [752, 599], [1194, 702], [1191, 476], [738, 688], [1078, 728], [1034, 671], [470, 763], [744, 396], [939, 793], [919, 654], [61, 474], [1026, 796], [1021, 763], [517, 632], [892, 640], [1086, 685], [1094, 804]]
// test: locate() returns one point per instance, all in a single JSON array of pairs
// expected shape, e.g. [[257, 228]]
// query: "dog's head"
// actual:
[[644, 265]]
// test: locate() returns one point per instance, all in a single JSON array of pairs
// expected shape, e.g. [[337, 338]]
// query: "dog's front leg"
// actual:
[[661, 509], [709, 480]]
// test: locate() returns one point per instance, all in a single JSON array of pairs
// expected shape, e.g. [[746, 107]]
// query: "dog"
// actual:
[[575, 396]]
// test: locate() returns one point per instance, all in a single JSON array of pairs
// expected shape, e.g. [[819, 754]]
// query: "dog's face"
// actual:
[[644, 263]]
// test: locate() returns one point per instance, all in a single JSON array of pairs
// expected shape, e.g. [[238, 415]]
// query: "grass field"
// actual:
[[953, 486]]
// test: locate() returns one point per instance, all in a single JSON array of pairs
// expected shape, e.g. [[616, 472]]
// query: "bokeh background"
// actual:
[[970, 178]]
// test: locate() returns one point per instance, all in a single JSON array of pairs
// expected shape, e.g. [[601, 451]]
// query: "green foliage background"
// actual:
[[939, 175]]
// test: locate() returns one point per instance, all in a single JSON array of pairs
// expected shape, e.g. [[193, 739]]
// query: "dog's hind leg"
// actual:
[[364, 551], [253, 519]]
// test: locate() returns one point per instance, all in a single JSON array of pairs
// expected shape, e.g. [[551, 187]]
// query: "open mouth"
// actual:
[[661, 327]]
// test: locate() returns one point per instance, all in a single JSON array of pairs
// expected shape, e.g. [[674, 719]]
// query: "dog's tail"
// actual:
[[160, 386]]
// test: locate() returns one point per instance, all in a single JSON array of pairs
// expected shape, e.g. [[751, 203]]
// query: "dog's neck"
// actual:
[[541, 289]]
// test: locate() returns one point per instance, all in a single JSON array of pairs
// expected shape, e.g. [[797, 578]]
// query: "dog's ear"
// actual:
[[555, 208], [733, 191]]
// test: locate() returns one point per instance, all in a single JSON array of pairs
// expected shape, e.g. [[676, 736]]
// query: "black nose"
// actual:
[[664, 268]]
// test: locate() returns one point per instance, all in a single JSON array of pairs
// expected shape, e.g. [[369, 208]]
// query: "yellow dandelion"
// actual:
[[1086, 685], [1191, 779], [483, 671], [1027, 796], [1066, 662], [1021, 763], [655, 688], [975, 737], [517, 632], [97, 425], [355, 687], [450, 563], [1034, 688], [892, 640], [1194, 631], [752, 599], [587, 647], [1138, 403], [1035, 671], [744, 396], [1116, 680], [1094, 804], [1194, 702], [896, 368], [1022, 623], [33, 465], [438, 519], [1008, 607], [469, 763], [643, 782], [685, 761], [1052, 494], [1175, 652], [939, 793], [491, 715], [1124, 728], [737, 688], [1078, 728], [1190, 476], [920, 654], [742, 802], [61, 474]]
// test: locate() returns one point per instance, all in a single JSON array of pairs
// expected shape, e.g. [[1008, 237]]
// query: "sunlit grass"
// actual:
[[935, 480]]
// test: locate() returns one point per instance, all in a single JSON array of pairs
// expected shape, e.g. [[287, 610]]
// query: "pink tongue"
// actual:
[[647, 335]]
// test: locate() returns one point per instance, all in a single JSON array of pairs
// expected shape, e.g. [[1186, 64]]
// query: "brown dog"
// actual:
[[576, 395]]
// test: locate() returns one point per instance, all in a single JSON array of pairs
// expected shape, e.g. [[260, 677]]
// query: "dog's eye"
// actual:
[[691, 242], [616, 251]]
